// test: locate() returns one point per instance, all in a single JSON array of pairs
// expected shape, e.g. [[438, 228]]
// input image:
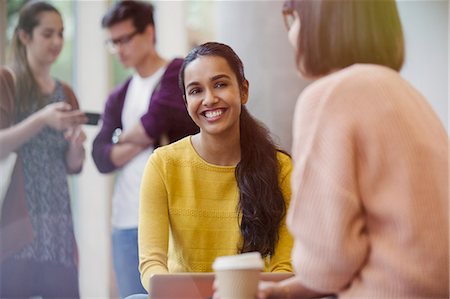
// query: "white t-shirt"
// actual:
[[125, 207]]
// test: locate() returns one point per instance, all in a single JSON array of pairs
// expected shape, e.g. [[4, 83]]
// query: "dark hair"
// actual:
[[337, 34], [26, 86], [261, 202], [141, 13]]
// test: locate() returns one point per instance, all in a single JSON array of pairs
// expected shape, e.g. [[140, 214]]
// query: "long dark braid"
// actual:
[[261, 201]]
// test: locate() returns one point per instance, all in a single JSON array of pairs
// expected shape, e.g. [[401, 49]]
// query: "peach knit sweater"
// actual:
[[369, 211]]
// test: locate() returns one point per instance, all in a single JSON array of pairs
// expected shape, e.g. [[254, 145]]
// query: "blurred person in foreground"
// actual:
[[40, 121], [369, 211]]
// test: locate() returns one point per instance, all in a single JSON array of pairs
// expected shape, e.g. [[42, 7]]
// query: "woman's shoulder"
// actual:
[[283, 156], [176, 156], [172, 70], [358, 84], [175, 64], [6, 73], [357, 75], [70, 94], [6, 77], [285, 161], [174, 151], [7, 92], [66, 87], [168, 91], [367, 75], [366, 68]]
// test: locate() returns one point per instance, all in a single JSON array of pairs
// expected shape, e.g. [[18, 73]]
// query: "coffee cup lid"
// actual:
[[248, 260]]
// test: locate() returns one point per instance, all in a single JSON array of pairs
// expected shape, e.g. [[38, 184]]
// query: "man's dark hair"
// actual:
[[141, 13]]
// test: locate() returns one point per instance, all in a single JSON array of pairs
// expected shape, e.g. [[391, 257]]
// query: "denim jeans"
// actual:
[[126, 261]]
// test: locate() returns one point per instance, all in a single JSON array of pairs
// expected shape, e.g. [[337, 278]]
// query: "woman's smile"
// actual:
[[213, 114]]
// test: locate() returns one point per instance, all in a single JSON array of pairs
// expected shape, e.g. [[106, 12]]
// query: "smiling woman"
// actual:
[[225, 189], [214, 100]]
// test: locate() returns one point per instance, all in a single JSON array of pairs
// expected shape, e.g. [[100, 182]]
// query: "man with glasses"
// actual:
[[146, 111]]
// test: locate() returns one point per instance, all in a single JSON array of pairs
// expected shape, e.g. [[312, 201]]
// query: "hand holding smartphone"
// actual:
[[93, 118]]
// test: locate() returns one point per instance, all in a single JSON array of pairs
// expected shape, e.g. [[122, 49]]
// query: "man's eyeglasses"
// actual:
[[288, 14], [112, 44]]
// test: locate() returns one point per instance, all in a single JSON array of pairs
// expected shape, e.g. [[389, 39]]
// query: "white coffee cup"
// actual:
[[238, 275]]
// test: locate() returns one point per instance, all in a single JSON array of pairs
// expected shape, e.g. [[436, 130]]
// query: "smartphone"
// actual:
[[93, 118]]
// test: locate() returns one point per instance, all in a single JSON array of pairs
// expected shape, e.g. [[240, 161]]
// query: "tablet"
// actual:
[[193, 285]]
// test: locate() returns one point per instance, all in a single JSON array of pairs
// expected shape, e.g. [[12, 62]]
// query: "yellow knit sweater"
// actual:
[[188, 213]]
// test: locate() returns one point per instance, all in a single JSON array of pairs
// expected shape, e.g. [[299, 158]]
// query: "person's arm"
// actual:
[[167, 119], [102, 145], [122, 153], [75, 136], [102, 148], [75, 153], [12, 136], [167, 114], [58, 116], [286, 289], [281, 260], [153, 231], [106, 155], [131, 143], [136, 135]]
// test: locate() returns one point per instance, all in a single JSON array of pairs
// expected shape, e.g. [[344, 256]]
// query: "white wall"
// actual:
[[169, 16], [2, 32], [255, 30], [426, 30], [92, 207]]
